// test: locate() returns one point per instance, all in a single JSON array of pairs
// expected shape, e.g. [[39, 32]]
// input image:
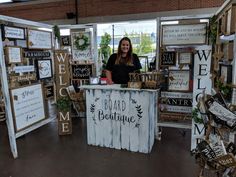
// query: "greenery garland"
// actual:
[[81, 42]]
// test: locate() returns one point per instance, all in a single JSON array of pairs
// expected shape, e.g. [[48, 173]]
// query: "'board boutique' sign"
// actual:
[[116, 110]]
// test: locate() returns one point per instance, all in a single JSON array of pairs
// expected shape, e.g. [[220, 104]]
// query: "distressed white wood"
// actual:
[[202, 82], [109, 104]]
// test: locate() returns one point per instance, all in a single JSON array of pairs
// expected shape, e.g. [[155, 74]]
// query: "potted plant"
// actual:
[[63, 104]]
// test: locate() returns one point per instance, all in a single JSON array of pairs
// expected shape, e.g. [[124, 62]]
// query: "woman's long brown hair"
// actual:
[[129, 56]]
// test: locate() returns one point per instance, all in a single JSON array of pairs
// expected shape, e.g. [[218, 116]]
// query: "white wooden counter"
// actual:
[[121, 118]]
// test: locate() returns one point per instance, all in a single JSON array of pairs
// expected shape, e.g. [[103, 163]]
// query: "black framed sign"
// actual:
[[44, 69], [225, 73], [12, 32], [168, 58], [81, 71], [65, 40]]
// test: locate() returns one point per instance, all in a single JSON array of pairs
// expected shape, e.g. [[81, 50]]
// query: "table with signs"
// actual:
[[121, 118]]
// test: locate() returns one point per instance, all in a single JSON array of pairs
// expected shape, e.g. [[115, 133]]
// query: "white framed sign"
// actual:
[[13, 54], [39, 39], [28, 106], [184, 34], [179, 80], [81, 46]]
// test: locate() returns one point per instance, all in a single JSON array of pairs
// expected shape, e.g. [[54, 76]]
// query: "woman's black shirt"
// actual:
[[120, 72]]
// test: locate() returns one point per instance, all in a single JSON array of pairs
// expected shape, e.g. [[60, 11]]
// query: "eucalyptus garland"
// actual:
[[81, 42]]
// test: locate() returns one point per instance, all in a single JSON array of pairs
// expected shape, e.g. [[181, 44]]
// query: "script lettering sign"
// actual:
[[28, 106], [82, 71]]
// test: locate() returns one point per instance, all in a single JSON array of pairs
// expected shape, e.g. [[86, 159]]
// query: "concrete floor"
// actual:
[[42, 153]]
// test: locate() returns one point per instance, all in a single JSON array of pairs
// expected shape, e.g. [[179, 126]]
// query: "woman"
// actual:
[[122, 63]]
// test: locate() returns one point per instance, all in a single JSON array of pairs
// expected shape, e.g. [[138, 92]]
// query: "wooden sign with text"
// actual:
[[62, 82], [168, 59]]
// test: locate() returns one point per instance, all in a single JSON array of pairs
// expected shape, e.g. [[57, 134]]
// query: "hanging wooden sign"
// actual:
[[65, 41]]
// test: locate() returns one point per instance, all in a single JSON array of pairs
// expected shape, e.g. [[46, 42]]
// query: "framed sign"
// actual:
[[185, 58], [39, 39], [226, 73], [168, 59], [81, 71], [12, 32], [27, 105], [65, 40], [21, 43], [184, 34], [81, 46], [44, 69], [13, 54], [179, 80]]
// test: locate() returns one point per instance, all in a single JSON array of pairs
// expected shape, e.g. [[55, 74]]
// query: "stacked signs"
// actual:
[[218, 152], [175, 105]]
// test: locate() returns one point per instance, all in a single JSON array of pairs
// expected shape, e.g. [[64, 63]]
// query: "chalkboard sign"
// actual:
[[39, 39], [28, 106], [81, 71], [168, 59]]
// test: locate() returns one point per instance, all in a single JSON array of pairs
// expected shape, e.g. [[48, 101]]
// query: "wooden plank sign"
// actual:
[[121, 119], [168, 58], [13, 54], [176, 102], [81, 71], [28, 106]]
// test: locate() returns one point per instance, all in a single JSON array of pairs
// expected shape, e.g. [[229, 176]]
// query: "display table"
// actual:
[[121, 118]]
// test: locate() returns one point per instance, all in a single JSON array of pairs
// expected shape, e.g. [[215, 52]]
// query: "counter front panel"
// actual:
[[121, 119]]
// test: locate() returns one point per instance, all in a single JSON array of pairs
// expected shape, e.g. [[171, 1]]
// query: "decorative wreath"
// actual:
[[81, 42]]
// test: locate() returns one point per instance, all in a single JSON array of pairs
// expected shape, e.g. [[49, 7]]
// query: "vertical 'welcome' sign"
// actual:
[[202, 82], [62, 82]]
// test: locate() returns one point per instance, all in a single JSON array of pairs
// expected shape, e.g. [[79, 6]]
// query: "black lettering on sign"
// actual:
[[81, 71], [168, 59]]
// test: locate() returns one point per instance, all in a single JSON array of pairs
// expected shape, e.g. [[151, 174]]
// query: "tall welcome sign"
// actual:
[[62, 82], [202, 83]]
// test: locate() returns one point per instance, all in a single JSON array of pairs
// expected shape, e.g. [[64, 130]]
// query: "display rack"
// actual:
[[13, 133]]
